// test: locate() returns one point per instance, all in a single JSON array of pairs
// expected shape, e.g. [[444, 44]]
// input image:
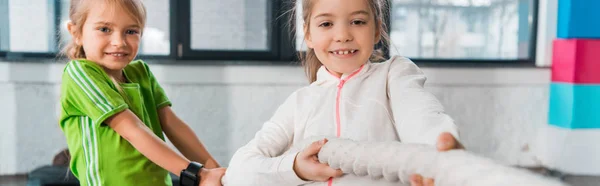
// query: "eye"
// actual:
[[325, 24], [104, 29], [359, 22], [132, 32]]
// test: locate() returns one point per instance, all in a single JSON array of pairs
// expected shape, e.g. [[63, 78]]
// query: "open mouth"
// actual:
[[343, 52], [116, 54]]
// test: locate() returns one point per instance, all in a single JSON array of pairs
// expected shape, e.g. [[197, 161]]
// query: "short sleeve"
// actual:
[[160, 97], [87, 90]]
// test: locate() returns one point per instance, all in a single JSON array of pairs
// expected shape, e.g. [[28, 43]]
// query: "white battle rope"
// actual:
[[395, 162]]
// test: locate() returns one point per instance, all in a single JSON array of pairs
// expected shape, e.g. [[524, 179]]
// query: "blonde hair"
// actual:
[[78, 13], [311, 63]]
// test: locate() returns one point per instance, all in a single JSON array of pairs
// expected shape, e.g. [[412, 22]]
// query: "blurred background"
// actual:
[[228, 64]]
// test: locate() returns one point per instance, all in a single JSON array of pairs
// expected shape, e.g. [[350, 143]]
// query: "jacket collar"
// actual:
[[323, 75]]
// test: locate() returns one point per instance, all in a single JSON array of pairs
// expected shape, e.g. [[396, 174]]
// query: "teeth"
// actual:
[[345, 52], [117, 55]]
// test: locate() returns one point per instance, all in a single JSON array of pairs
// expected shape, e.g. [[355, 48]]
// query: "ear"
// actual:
[[307, 37], [377, 33], [71, 27]]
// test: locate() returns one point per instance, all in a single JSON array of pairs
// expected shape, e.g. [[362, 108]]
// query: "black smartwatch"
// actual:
[[190, 176]]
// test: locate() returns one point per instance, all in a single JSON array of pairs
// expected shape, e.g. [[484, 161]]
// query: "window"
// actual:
[[4, 35], [63, 33], [300, 46], [423, 30], [463, 29], [45, 29], [229, 25], [460, 30], [156, 38], [399, 15], [38, 35], [231, 30]]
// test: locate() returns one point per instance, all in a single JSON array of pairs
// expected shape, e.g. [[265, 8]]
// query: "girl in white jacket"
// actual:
[[349, 97]]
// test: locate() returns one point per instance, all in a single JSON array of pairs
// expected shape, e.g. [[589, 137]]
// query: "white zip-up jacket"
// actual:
[[378, 102]]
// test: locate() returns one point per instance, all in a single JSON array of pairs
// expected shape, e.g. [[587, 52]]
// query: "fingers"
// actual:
[[214, 177], [338, 173], [446, 142], [428, 182], [330, 172], [314, 158], [220, 170], [221, 173], [416, 180], [314, 148], [324, 172]]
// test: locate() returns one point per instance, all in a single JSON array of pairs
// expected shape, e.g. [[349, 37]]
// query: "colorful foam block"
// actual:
[[576, 61], [574, 106], [578, 19]]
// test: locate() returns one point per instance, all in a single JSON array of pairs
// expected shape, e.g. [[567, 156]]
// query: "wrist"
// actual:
[[203, 172], [297, 169], [211, 164], [191, 176]]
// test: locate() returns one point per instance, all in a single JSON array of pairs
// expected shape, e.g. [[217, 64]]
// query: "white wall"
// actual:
[[498, 110]]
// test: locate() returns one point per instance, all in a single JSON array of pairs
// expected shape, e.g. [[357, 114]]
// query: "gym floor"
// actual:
[[20, 180]]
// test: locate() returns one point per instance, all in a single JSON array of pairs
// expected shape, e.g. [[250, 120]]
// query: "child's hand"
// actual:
[[417, 180], [211, 177], [445, 142], [308, 167]]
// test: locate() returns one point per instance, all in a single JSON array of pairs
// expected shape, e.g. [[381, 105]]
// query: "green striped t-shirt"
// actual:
[[99, 155]]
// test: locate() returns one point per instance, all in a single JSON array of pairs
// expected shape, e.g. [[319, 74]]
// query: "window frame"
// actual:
[[277, 39], [458, 62], [4, 38], [54, 17], [282, 47]]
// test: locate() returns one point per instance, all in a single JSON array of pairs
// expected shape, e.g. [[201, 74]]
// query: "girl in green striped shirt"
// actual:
[[114, 112]]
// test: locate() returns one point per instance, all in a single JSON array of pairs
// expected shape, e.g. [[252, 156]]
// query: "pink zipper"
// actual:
[[337, 107]]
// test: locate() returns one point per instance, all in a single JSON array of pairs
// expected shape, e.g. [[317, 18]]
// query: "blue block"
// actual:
[[574, 106], [578, 19]]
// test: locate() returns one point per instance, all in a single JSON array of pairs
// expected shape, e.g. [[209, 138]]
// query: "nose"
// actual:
[[343, 34], [118, 40]]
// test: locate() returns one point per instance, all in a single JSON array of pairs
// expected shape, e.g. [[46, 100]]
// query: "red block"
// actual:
[[576, 61]]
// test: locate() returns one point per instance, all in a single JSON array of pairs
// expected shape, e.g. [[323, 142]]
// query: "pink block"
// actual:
[[576, 61]]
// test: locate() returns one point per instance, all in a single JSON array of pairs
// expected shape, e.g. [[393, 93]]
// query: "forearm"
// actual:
[[266, 159], [249, 166], [186, 141], [156, 150], [425, 128], [144, 140]]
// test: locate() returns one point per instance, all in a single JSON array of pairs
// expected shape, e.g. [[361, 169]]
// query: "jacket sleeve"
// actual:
[[418, 115], [264, 161]]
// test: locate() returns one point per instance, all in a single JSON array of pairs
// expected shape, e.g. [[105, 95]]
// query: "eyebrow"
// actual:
[[109, 24], [363, 12]]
